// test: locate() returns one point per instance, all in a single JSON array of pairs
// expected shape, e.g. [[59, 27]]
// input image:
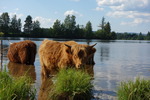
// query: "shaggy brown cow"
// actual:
[[55, 54], [22, 52]]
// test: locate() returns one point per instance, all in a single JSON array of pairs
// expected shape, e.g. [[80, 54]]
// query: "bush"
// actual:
[[71, 84], [138, 90], [15, 89], [1, 34]]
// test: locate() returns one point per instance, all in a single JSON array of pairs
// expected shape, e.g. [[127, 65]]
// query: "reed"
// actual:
[[72, 84], [134, 90], [15, 88]]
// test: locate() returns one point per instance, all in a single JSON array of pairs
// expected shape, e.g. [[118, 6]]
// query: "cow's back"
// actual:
[[12, 53], [22, 52], [54, 55], [49, 53], [70, 43]]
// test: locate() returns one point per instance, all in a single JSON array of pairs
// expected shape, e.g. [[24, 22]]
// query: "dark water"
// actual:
[[116, 61]]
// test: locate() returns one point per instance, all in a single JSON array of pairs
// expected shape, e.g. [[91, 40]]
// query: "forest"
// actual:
[[12, 27]]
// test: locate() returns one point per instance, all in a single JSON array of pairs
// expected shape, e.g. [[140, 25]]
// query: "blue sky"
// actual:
[[123, 15]]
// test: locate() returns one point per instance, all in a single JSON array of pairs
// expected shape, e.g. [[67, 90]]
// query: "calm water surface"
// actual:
[[115, 61]]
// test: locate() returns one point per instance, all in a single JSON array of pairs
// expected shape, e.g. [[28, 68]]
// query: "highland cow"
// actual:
[[22, 52], [55, 54]]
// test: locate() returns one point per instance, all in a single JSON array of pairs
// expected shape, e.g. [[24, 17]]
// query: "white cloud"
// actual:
[[136, 21], [120, 7], [18, 15], [135, 10], [109, 2], [45, 22], [128, 5], [72, 12], [12, 14], [16, 9], [99, 9], [136, 17], [128, 14]]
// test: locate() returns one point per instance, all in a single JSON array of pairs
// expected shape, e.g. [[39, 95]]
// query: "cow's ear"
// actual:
[[68, 46], [93, 50], [69, 49], [93, 45]]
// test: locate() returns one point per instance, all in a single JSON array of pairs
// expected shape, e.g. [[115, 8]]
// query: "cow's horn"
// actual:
[[68, 45], [93, 45]]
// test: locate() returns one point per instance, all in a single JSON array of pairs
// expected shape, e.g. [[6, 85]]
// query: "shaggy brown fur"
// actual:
[[22, 52], [90, 51], [55, 54]]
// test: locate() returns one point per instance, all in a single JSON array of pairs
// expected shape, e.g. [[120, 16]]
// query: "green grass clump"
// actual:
[[72, 84], [15, 88], [1, 34], [138, 90]]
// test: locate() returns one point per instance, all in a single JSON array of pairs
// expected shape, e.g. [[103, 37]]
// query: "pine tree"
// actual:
[[5, 23], [14, 24], [19, 25], [69, 26], [103, 23], [88, 30], [57, 28], [28, 27], [107, 28], [148, 36], [36, 24]]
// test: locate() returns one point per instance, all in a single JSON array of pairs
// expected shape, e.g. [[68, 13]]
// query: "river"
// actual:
[[115, 61]]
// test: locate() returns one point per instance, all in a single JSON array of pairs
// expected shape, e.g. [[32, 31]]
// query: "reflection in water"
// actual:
[[89, 69], [17, 70], [104, 95], [88, 42], [104, 53], [3, 55], [47, 83], [45, 88]]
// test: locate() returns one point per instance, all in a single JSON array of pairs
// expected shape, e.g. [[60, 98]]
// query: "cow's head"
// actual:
[[81, 53]]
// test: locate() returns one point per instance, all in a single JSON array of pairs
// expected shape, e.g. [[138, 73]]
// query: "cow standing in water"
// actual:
[[55, 55], [22, 52]]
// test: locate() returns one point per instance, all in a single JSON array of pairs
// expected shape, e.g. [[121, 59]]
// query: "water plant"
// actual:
[[15, 88], [134, 90], [71, 84]]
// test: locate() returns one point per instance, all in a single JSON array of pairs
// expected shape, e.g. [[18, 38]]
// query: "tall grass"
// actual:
[[15, 88], [134, 90], [71, 84]]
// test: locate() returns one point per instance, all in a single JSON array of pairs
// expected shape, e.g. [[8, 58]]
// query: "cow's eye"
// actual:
[[81, 53]]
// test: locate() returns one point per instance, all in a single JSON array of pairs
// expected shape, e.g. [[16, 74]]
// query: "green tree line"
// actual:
[[67, 29], [133, 36]]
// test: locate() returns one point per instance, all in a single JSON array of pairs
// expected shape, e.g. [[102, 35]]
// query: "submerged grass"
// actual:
[[72, 84], [138, 90], [15, 88]]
